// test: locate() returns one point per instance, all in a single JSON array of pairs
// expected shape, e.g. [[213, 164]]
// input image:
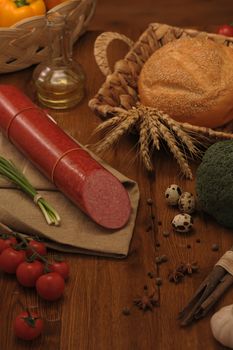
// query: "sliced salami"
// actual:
[[72, 169]]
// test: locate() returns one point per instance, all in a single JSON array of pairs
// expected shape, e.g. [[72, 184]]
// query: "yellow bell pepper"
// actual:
[[13, 11]]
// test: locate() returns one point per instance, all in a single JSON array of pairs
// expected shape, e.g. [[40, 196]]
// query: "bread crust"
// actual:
[[191, 80]]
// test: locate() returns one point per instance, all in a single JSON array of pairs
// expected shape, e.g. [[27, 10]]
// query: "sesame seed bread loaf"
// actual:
[[190, 79]]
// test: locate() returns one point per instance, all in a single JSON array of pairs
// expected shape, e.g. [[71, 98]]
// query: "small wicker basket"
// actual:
[[25, 43], [117, 100], [120, 87]]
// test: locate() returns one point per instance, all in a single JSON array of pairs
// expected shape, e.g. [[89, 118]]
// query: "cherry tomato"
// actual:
[[27, 273], [6, 242], [39, 247], [28, 326], [10, 258], [50, 286], [226, 29], [60, 267]]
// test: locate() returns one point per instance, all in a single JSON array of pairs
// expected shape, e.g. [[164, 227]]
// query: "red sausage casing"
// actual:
[[81, 178]]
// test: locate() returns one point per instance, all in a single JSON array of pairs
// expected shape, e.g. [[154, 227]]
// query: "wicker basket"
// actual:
[[120, 87], [25, 43], [117, 100]]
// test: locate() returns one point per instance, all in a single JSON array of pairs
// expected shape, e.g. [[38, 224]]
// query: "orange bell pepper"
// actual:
[[13, 11]]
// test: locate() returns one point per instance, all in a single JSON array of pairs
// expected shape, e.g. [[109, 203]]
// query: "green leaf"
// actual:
[[4, 236], [30, 320], [21, 3]]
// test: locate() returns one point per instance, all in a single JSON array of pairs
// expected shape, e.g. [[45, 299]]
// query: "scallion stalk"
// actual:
[[12, 173]]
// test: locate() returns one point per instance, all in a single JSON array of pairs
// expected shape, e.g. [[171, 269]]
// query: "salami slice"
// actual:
[[80, 177]]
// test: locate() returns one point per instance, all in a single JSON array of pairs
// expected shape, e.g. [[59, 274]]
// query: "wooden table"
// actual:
[[90, 316]]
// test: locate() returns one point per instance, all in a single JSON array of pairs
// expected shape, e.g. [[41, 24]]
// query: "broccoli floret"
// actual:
[[214, 182]]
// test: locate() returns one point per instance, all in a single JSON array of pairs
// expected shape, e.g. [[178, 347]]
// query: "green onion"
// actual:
[[9, 170]]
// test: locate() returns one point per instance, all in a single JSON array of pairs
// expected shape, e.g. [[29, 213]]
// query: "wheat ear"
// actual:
[[164, 131], [183, 136], [144, 140], [120, 130], [110, 123], [153, 129]]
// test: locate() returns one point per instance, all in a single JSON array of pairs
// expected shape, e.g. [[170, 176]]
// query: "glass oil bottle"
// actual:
[[59, 80]]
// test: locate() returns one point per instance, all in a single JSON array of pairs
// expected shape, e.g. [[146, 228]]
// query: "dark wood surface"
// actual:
[[89, 317]]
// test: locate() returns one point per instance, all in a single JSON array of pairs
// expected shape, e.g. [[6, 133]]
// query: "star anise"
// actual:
[[146, 301], [182, 268], [188, 268], [175, 276]]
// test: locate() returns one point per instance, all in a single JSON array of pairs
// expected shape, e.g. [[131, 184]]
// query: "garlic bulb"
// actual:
[[222, 325]]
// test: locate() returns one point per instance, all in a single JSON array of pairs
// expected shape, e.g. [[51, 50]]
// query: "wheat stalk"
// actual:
[[185, 138], [144, 140], [131, 119], [206, 131], [153, 129], [110, 123], [155, 126], [171, 142]]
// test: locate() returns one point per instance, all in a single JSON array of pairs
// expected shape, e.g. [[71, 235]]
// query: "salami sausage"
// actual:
[[80, 177]]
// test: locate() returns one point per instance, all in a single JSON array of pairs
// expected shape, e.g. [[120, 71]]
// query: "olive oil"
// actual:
[[59, 81], [60, 88]]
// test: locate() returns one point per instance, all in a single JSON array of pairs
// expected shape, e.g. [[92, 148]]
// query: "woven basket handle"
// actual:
[[100, 49]]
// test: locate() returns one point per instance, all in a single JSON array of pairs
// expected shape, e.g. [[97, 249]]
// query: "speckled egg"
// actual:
[[172, 194], [186, 203], [182, 223]]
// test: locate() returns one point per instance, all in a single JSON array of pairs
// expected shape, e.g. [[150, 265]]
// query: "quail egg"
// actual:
[[182, 223], [186, 203], [172, 194]]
